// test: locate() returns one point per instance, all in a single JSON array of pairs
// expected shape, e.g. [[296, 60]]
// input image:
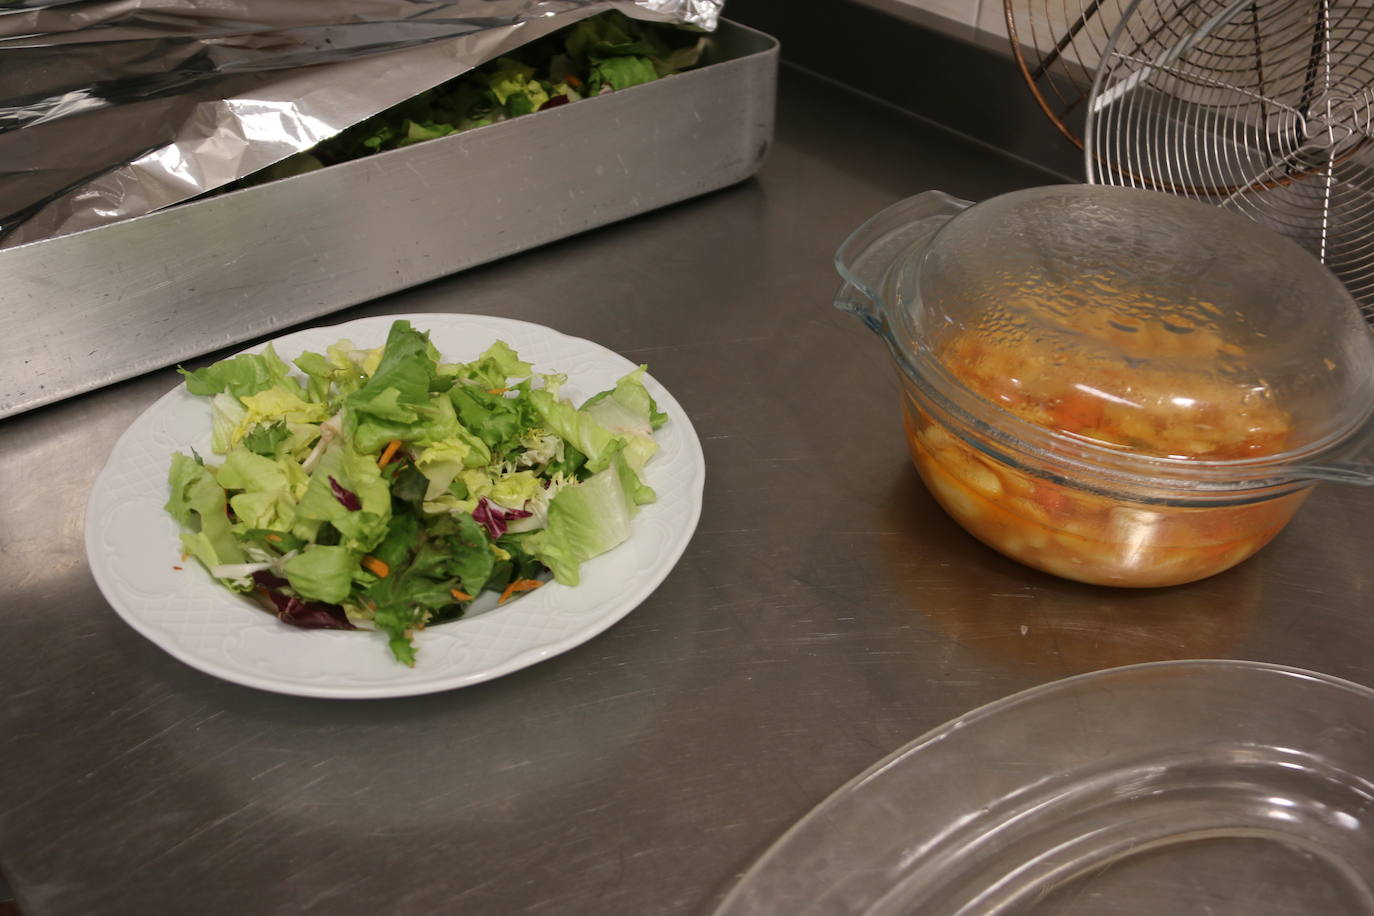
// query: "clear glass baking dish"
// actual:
[[1231, 788]]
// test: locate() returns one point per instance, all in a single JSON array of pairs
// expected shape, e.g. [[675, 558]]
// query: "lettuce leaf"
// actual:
[[585, 520], [395, 402], [622, 72], [266, 439], [276, 405], [226, 416], [267, 489], [245, 374], [322, 573], [577, 428], [497, 421], [628, 410], [361, 529], [197, 502]]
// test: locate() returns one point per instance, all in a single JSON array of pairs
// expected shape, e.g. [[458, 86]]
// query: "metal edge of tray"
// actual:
[[85, 310]]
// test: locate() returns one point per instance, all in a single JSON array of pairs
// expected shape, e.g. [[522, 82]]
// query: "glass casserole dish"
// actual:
[[1115, 386]]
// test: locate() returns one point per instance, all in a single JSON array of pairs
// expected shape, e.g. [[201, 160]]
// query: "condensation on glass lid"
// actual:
[[1152, 305]]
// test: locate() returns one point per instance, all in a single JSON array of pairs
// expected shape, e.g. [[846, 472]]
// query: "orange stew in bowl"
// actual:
[[1087, 536]]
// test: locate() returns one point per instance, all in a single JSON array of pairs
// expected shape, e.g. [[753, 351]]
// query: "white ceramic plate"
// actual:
[[134, 551]]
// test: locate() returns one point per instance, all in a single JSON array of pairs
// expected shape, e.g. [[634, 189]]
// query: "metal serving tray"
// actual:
[[81, 311]]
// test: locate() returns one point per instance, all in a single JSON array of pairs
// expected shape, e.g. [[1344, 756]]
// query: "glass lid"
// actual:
[[1141, 322]]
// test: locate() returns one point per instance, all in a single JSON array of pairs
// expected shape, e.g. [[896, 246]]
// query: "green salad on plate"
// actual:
[[386, 489]]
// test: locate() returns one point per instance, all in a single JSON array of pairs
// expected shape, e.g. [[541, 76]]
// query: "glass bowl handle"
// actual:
[[1353, 465], [865, 257]]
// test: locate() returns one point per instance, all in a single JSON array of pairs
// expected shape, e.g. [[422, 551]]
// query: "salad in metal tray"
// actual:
[[386, 489]]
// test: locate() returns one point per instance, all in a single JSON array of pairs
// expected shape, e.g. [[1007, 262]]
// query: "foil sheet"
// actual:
[[111, 109]]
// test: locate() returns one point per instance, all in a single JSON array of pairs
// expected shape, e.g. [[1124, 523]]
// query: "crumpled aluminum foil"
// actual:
[[110, 109]]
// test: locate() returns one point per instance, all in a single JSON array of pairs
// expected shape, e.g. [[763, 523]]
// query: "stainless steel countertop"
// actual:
[[825, 613]]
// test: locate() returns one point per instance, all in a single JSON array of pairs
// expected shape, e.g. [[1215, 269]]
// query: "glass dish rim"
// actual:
[[850, 788]]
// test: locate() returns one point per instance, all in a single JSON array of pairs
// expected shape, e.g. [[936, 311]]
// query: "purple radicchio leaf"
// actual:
[[346, 497], [493, 517], [308, 615]]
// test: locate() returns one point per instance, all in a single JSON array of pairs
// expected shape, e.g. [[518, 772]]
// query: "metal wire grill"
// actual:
[[1260, 106], [1057, 44]]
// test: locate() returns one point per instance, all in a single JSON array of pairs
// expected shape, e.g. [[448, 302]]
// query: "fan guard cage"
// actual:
[[1263, 107], [1057, 45]]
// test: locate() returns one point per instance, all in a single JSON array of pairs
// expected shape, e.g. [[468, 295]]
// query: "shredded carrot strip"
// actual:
[[274, 538], [375, 566], [389, 452], [176, 567], [572, 80], [459, 594], [519, 585], [497, 390]]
